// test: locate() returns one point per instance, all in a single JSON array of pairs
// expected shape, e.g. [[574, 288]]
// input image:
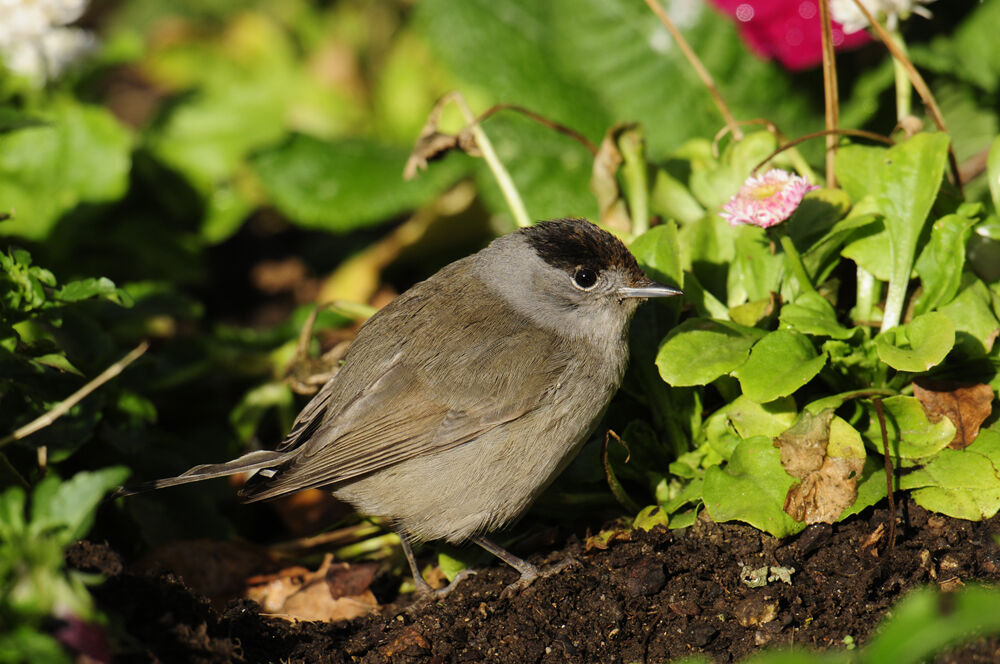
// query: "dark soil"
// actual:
[[647, 597]]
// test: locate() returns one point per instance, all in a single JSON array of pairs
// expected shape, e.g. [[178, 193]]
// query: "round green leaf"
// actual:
[[812, 314], [919, 345], [911, 435], [961, 483], [699, 350], [780, 363], [751, 488]]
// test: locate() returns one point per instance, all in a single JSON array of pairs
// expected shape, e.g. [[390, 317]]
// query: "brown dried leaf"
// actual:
[[966, 405], [823, 494], [604, 180], [433, 144], [336, 591], [829, 470], [803, 446]]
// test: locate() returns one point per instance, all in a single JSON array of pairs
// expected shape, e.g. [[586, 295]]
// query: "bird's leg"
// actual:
[[528, 571], [424, 589]]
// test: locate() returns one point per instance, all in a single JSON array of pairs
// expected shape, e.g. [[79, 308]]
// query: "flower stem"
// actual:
[[904, 91], [795, 265]]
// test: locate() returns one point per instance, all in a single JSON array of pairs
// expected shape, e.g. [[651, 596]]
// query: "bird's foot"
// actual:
[[531, 573], [425, 593]]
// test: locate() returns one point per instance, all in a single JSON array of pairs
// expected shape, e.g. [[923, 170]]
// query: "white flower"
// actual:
[[34, 41], [890, 12]]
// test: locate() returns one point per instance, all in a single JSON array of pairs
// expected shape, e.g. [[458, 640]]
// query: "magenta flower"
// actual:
[[786, 30], [766, 200]]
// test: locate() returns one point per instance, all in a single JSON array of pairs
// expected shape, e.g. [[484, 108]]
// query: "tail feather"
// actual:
[[254, 461]]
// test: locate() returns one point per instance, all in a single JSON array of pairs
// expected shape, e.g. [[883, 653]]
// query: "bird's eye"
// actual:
[[585, 278]]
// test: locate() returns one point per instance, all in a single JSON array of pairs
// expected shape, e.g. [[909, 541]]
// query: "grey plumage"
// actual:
[[462, 399]]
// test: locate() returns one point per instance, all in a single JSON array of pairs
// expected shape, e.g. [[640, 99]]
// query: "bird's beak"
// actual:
[[649, 288]]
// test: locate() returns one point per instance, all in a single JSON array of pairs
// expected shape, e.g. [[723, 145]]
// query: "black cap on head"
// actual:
[[568, 244]]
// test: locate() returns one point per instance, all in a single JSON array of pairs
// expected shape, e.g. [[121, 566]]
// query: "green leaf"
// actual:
[[972, 313], [712, 183], [911, 435], [940, 264], [974, 47], [925, 622], [751, 488], [81, 156], [904, 189], [68, 507], [658, 252], [780, 363], [824, 254], [756, 270], [964, 484], [857, 166], [867, 246], [650, 517], [871, 487], [811, 313], [520, 36], [816, 216], [247, 414], [346, 184], [699, 350], [919, 345], [83, 289], [671, 200], [993, 171]]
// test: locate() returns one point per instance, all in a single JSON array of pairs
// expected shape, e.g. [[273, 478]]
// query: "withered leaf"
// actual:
[[803, 446], [604, 180], [336, 591], [433, 144], [827, 454], [966, 405]]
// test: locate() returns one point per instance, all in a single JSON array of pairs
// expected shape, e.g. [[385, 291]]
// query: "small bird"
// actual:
[[462, 399]]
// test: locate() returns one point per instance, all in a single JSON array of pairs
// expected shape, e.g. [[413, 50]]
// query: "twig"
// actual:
[[542, 120], [616, 488], [830, 94], [63, 407], [699, 68], [503, 178], [861, 133], [918, 84], [888, 472]]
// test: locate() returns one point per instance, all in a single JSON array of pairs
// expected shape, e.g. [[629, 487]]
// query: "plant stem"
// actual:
[[919, 84], [504, 181], [904, 91], [830, 93], [794, 261], [869, 292], [699, 68], [895, 300], [60, 409]]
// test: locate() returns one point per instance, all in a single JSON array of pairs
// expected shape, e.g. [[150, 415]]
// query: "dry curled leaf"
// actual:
[[433, 144], [827, 455], [967, 406], [604, 180], [336, 591]]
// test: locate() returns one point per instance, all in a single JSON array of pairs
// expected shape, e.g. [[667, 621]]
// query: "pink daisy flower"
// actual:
[[766, 200]]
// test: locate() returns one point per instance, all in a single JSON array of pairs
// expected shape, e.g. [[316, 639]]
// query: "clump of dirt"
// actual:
[[649, 596]]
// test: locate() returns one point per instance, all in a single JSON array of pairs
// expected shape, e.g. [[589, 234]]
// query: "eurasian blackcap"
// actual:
[[463, 398]]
